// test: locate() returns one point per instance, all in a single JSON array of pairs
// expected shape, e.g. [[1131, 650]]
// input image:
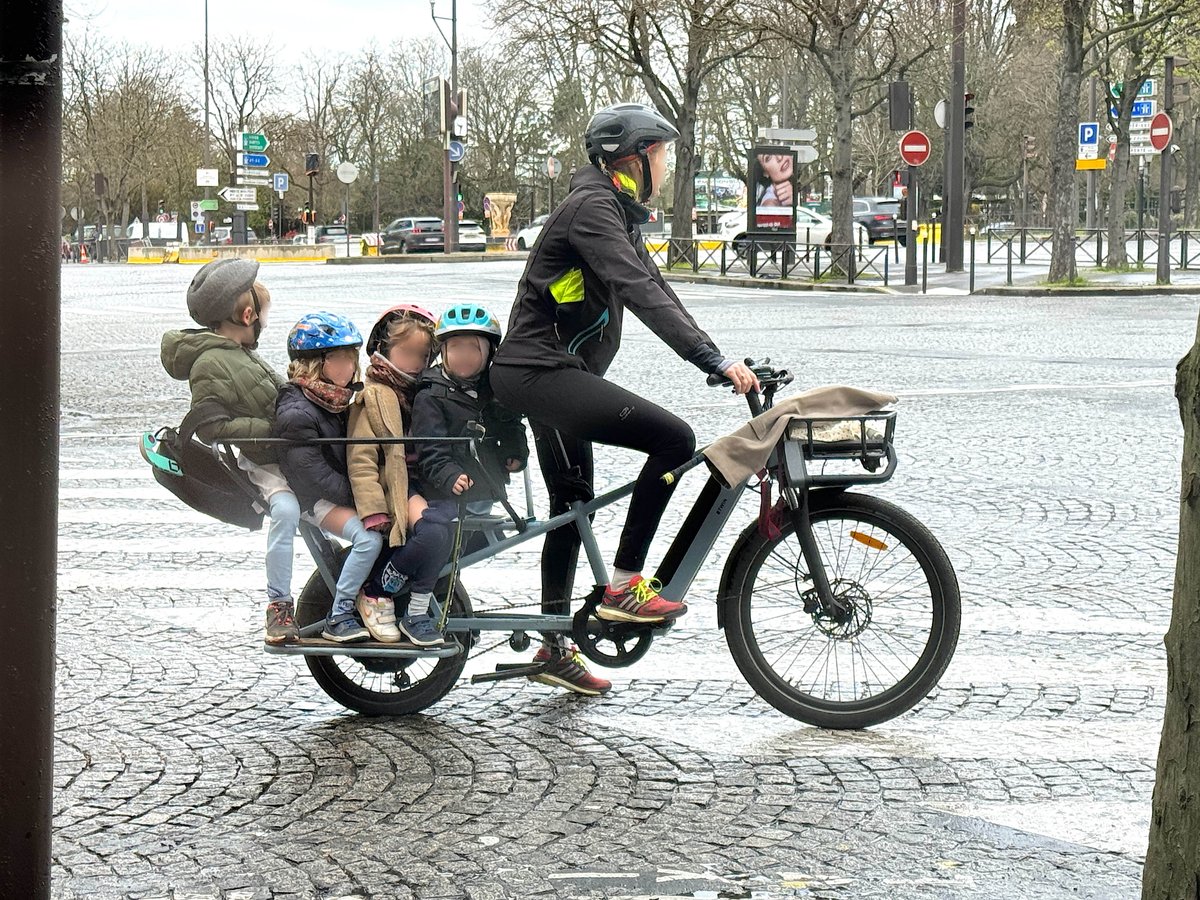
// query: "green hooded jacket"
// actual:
[[223, 371]]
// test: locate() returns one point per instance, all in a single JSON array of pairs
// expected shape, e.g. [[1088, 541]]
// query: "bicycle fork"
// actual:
[[798, 509]]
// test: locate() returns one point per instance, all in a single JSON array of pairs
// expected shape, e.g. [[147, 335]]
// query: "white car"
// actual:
[[811, 227], [528, 235], [471, 237]]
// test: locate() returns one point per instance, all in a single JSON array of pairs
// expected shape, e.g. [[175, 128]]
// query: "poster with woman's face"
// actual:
[[773, 189]]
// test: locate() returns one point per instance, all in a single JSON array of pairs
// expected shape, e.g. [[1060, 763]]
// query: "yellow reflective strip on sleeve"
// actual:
[[568, 287]]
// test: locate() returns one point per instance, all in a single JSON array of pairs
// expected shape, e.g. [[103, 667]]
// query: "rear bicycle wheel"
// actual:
[[382, 686], [879, 654]]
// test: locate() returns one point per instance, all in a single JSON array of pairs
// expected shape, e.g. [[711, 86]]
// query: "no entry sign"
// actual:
[[914, 148], [1160, 131]]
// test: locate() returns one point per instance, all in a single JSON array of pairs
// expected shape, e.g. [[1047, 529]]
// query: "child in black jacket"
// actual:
[[456, 393]]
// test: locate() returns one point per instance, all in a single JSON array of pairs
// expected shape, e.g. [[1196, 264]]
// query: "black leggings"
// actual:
[[582, 408]]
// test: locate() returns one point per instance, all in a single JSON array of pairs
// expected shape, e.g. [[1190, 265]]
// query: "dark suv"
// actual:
[[415, 233], [879, 216]]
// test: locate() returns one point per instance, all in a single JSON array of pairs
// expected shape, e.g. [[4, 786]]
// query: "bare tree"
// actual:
[[244, 82], [673, 48]]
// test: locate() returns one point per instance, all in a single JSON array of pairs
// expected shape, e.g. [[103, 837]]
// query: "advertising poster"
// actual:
[[773, 191]]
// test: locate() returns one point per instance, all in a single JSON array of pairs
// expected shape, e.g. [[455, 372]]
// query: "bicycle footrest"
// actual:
[[320, 647], [510, 670]]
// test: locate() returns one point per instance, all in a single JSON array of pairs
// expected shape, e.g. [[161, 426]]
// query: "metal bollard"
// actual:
[[925, 262], [971, 287], [1009, 279]]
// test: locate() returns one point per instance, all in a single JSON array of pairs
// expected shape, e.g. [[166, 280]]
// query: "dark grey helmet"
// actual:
[[213, 293], [625, 130]]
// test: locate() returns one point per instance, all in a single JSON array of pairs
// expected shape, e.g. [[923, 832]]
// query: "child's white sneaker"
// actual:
[[379, 615]]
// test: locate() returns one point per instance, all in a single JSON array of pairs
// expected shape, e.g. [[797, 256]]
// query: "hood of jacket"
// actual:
[[181, 349]]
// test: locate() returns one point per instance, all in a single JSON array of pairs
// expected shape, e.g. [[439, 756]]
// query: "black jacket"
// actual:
[[316, 472], [588, 265], [443, 408]]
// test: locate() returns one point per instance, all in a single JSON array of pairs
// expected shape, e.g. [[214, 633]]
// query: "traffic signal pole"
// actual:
[[1164, 182], [954, 206], [30, 265]]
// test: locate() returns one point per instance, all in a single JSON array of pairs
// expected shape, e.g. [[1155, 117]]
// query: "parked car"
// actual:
[[332, 234], [879, 216], [471, 238], [412, 233], [811, 227], [223, 234], [528, 235]]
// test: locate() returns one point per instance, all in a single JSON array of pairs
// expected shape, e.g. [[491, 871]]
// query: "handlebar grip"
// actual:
[[669, 478], [717, 379]]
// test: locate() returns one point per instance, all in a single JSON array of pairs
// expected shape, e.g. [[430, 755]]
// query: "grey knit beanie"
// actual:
[[213, 293]]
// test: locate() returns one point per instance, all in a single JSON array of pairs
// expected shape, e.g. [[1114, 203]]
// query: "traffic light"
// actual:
[[968, 111], [312, 164], [1030, 146], [307, 216], [899, 106]]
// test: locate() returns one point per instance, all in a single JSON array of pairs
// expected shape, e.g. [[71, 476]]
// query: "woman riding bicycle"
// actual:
[[589, 264]]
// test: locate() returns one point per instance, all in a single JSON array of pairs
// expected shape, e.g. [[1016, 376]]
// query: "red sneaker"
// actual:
[[639, 602], [568, 670]]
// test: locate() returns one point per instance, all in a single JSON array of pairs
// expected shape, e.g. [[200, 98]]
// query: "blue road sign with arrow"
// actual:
[[457, 151]]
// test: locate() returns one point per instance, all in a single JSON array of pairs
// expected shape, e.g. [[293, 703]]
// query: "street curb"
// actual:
[[410, 259], [770, 284], [1093, 290]]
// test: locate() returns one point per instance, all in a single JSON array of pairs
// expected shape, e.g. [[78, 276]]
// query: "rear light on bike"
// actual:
[[873, 543]]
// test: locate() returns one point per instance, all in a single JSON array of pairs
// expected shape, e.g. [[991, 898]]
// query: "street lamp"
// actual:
[[449, 204]]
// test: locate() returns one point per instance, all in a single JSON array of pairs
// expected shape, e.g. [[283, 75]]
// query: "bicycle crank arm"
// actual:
[[505, 671]]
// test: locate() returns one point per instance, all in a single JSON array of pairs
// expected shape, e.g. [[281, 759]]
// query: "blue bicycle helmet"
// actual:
[[468, 318], [318, 333]]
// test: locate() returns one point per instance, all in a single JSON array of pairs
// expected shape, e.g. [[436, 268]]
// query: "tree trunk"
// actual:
[[1117, 256], [842, 170], [685, 171], [1062, 160], [1173, 860]]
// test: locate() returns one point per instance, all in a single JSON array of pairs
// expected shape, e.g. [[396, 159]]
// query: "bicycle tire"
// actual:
[[944, 607], [314, 604]]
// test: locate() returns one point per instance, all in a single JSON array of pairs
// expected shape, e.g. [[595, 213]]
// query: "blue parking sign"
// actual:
[[1089, 133], [281, 182]]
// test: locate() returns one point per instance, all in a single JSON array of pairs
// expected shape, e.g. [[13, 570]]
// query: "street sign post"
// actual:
[[787, 135], [280, 180], [207, 178], [253, 160], [347, 173], [1089, 140], [1161, 129], [553, 167], [238, 194], [915, 148], [457, 151], [210, 205], [251, 142]]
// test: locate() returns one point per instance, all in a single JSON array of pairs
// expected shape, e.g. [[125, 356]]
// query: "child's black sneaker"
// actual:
[[344, 628]]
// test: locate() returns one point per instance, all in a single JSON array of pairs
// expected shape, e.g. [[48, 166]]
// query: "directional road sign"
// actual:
[[914, 147], [253, 160], [238, 194], [787, 135], [251, 142], [1160, 132], [210, 205]]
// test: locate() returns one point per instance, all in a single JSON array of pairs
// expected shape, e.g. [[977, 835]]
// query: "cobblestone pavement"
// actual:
[[1039, 441]]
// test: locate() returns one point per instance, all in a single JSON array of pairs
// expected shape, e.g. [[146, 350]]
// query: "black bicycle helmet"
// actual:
[[627, 130]]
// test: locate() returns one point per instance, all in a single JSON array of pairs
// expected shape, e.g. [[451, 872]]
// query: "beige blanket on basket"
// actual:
[[737, 456]]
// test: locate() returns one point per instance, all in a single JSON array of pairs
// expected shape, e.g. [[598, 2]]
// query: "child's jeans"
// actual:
[[281, 534], [284, 511], [416, 562], [364, 550]]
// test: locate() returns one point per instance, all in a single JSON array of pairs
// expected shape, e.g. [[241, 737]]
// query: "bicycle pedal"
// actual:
[[505, 671]]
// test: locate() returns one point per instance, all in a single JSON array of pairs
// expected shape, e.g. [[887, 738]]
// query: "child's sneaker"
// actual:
[[379, 615], [344, 628], [639, 602], [281, 623], [422, 631]]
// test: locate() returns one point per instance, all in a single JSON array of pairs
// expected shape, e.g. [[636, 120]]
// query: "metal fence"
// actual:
[[772, 258]]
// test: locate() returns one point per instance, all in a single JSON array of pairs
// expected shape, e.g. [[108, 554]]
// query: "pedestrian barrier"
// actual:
[[772, 258]]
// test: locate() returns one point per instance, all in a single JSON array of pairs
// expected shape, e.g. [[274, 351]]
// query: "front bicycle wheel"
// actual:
[[885, 645], [382, 686]]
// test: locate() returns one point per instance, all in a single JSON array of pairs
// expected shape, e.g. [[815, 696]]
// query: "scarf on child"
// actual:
[[327, 395], [382, 371]]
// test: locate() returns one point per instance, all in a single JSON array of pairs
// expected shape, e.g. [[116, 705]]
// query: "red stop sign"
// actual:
[[914, 148], [1160, 131]]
